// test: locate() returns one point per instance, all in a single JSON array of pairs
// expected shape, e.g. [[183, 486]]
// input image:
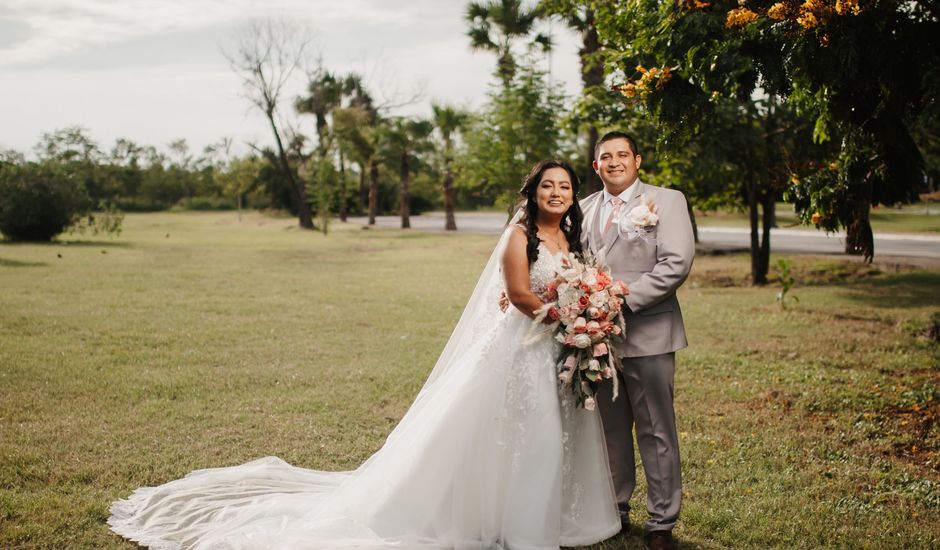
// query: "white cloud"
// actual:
[[59, 27], [153, 71]]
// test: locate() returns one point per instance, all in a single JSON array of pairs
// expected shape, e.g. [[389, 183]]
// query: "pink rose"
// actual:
[[553, 314], [551, 291], [589, 404], [580, 324], [600, 349], [571, 362]]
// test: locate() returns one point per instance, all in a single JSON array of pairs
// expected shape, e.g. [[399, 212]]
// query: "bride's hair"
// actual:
[[570, 222]]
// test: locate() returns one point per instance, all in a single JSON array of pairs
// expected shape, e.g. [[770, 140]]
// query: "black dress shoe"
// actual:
[[660, 540]]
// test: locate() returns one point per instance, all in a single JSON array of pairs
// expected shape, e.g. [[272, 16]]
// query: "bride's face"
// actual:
[[554, 193]]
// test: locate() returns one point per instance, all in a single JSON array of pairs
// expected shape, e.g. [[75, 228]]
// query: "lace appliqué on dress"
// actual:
[[532, 364]]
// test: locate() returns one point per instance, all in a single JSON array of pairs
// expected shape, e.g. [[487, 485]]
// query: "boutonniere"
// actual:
[[644, 216], [640, 221]]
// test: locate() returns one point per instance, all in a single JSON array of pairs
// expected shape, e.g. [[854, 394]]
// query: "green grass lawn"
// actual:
[[193, 341], [912, 218]]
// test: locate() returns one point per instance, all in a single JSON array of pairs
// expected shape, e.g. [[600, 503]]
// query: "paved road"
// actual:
[[798, 241]]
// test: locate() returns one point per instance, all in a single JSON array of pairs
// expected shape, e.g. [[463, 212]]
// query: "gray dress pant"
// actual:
[[645, 401]]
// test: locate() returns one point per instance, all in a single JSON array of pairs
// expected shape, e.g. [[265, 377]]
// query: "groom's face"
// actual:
[[616, 165]]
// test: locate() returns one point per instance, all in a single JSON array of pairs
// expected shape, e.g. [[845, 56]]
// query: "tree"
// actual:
[[405, 140], [865, 72], [239, 177], [518, 126], [265, 55], [496, 24], [79, 157], [328, 93], [324, 93], [39, 200], [357, 135], [448, 121], [586, 115]]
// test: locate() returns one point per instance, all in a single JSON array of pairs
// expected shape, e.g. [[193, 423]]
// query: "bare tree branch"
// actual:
[[265, 55]]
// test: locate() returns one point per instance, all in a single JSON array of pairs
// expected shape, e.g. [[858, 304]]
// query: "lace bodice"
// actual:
[[542, 270]]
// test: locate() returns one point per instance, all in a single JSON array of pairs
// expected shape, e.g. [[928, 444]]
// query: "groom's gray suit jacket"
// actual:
[[652, 267]]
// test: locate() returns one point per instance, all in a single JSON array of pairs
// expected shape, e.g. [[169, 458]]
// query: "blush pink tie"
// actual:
[[615, 211]]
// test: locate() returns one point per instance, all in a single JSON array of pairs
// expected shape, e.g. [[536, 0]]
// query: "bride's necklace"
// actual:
[[559, 244]]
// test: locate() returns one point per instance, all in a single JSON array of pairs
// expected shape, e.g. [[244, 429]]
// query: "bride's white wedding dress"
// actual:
[[490, 456]]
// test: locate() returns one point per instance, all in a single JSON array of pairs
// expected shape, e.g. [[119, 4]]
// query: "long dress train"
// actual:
[[489, 456]]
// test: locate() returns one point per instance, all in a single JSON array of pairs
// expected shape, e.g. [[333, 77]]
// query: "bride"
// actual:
[[491, 455]]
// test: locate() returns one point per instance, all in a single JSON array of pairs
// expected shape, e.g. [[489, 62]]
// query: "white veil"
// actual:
[[409, 482], [482, 310]]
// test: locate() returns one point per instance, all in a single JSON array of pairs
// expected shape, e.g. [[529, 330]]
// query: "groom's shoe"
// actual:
[[660, 540]]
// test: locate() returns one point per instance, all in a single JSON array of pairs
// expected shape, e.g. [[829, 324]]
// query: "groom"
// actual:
[[644, 235]]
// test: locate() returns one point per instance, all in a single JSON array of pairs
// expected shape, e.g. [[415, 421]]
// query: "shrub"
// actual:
[[38, 201]]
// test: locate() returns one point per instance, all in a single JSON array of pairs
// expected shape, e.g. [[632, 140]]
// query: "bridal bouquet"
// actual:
[[583, 303]]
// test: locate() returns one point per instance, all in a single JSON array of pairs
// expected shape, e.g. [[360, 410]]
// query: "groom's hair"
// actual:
[[616, 135]]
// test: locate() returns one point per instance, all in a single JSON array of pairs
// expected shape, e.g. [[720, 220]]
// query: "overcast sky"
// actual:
[[152, 70]]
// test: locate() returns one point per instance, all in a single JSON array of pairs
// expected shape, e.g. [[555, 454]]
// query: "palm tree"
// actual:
[[406, 139], [328, 93], [496, 24], [448, 120], [581, 19], [356, 133], [325, 93]]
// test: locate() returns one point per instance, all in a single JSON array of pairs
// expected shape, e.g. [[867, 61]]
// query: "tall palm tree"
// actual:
[[449, 120], [496, 24], [405, 140], [327, 93], [356, 133], [581, 19], [355, 96]]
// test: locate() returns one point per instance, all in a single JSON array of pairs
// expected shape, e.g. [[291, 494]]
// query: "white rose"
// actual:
[[582, 341], [599, 299], [639, 216], [568, 297]]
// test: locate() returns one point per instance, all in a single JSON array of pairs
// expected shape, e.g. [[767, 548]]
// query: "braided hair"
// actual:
[[570, 222]]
